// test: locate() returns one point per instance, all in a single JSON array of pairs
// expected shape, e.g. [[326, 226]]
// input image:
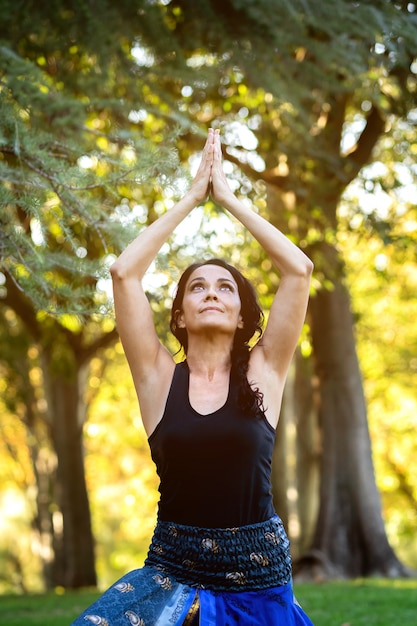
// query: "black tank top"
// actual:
[[214, 470]]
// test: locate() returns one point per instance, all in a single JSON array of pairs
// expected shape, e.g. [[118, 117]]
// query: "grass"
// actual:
[[358, 603]]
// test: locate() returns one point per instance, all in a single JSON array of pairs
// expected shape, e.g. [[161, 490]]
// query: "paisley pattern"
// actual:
[[124, 587], [134, 619], [150, 604], [164, 581], [234, 577]]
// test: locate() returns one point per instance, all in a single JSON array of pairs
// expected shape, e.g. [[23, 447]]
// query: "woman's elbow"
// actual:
[[309, 266], [116, 271]]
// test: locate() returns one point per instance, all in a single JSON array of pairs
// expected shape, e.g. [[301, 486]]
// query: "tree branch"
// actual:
[[404, 484], [17, 301], [101, 342], [267, 176], [362, 151]]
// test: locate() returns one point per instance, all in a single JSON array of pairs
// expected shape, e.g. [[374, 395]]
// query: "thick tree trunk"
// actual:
[[350, 538], [77, 568]]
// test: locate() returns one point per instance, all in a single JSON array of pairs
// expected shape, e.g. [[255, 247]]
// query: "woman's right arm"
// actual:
[[150, 363]]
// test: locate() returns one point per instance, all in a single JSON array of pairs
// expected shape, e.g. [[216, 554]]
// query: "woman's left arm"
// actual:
[[289, 307]]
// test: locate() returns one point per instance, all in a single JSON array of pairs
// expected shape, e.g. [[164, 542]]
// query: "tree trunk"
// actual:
[[77, 568], [43, 519], [350, 538], [279, 468], [308, 450]]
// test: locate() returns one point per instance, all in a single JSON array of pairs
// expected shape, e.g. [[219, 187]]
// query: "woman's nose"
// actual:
[[211, 293]]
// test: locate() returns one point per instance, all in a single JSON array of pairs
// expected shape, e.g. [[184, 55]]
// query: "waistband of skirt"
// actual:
[[251, 557]]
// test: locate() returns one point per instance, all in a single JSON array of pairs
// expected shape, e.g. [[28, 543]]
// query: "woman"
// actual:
[[219, 554]]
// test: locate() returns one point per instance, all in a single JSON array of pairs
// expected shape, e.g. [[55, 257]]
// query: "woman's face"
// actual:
[[211, 302]]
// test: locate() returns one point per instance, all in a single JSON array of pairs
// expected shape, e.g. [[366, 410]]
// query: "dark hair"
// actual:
[[252, 317]]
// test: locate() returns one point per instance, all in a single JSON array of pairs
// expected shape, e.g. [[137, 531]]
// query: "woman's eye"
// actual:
[[197, 287], [226, 287]]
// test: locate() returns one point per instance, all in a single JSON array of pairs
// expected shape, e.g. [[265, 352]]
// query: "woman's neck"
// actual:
[[209, 360]]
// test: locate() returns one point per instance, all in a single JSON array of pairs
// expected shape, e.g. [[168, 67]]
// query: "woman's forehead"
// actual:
[[211, 272]]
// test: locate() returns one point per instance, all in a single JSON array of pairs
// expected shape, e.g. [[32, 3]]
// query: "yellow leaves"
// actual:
[[103, 143], [120, 473], [119, 348], [16, 468], [391, 89], [128, 155], [305, 344], [300, 54], [266, 265], [97, 122], [24, 115], [107, 324], [71, 322], [382, 281], [21, 271], [35, 376]]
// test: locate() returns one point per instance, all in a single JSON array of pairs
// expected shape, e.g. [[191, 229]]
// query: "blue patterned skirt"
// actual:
[[206, 577]]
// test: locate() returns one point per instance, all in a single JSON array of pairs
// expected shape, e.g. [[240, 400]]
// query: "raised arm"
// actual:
[[275, 349], [150, 363]]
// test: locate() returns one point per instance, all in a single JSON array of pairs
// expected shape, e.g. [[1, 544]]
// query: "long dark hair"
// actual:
[[249, 398]]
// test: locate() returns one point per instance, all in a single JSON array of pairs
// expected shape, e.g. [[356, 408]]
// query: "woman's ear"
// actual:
[[179, 319], [240, 323]]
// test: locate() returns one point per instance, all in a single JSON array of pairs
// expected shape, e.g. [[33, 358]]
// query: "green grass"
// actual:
[[358, 603]]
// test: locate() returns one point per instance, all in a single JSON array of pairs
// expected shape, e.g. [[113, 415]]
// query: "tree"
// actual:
[[68, 155], [298, 78], [380, 232], [301, 77]]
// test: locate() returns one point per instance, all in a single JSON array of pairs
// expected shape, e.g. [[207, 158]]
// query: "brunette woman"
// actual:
[[219, 554]]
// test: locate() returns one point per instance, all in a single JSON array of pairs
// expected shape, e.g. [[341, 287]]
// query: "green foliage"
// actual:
[[323, 45], [94, 105], [68, 152], [90, 101]]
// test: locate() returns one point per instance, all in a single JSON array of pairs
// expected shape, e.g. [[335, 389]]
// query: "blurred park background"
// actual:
[[104, 107]]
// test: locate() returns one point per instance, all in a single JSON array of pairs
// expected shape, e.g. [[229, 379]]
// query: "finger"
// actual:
[[217, 145], [207, 157], [208, 142], [210, 139]]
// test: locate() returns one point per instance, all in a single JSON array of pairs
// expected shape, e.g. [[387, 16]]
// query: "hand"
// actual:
[[220, 189], [201, 184]]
